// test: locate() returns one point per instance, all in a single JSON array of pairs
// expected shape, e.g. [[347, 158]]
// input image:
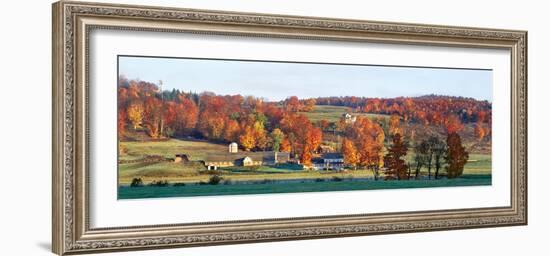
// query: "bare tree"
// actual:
[[422, 157], [437, 150]]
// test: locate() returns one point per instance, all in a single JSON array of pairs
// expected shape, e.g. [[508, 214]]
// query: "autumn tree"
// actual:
[[368, 138], [394, 127], [260, 136], [187, 113], [232, 130], [323, 124], [303, 136], [135, 115], [121, 122], [481, 116], [396, 167], [169, 114], [247, 138], [212, 116], [456, 157], [285, 145], [292, 104], [308, 105], [277, 137], [153, 116], [429, 109], [453, 124], [351, 157], [312, 141], [479, 131]]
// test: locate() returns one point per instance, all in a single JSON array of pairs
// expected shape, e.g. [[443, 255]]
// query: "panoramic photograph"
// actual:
[[213, 127]]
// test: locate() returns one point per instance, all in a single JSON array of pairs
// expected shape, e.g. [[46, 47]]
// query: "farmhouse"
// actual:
[[226, 159], [246, 161], [349, 118], [329, 161], [326, 149]]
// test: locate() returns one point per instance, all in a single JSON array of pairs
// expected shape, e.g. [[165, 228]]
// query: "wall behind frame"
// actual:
[[25, 133]]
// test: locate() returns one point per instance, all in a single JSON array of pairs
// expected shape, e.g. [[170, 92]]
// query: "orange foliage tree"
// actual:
[[351, 157], [453, 124], [308, 105], [186, 117], [285, 145], [368, 138], [153, 116], [303, 137], [292, 104], [232, 130], [479, 131], [394, 124]]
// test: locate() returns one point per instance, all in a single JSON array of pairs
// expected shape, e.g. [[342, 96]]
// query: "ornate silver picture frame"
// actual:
[[74, 21]]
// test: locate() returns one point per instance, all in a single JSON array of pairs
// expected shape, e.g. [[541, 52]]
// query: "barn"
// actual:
[[213, 162]]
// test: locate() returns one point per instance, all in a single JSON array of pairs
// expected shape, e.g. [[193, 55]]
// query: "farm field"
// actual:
[[333, 113], [275, 179]]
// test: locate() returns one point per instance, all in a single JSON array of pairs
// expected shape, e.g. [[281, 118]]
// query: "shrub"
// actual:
[[136, 182], [214, 180], [335, 178], [160, 183], [179, 184]]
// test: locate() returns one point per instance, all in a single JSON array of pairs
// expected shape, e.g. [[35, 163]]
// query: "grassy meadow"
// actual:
[[192, 172], [333, 113]]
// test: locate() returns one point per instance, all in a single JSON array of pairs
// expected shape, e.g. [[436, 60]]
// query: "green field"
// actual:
[[126, 192], [333, 113]]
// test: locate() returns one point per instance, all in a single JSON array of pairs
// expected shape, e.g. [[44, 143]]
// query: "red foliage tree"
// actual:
[[453, 124], [456, 157], [396, 167], [122, 117], [292, 104]]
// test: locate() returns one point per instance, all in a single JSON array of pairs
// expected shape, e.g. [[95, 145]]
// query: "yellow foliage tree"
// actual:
[[135, 115], [247, 139]]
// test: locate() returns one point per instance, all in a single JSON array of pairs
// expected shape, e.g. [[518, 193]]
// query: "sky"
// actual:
[[276, 81]]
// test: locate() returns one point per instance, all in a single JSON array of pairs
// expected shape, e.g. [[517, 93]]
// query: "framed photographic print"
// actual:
[[179, 127]]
